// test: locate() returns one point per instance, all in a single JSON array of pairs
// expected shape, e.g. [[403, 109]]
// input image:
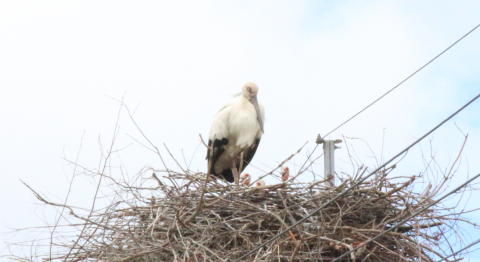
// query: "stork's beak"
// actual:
[[254, 101]]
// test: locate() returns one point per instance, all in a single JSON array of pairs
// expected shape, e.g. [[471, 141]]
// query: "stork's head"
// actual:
[[260, 183], [249, 91]]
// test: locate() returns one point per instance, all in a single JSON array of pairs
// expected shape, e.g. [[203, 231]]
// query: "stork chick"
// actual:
[[245, 179], [260, 183], [285, 172]]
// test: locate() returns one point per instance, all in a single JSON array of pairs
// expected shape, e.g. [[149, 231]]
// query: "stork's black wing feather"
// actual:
[[218, 149], [248, 154]]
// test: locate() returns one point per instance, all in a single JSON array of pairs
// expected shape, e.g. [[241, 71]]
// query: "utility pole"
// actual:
[[329, 159]]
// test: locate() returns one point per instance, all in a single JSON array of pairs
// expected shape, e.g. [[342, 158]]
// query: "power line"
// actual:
[[348, 120], [471, 244], [403, 80], [409, 217], [358, 183]]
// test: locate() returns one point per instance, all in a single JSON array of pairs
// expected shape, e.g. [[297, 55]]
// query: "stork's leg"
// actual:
[[241, 163], [235, 172]]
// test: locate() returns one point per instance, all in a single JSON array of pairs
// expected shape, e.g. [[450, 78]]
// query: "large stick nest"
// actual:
[[188, 217]]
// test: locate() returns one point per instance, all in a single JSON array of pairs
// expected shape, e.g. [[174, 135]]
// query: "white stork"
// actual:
[[235, 134]]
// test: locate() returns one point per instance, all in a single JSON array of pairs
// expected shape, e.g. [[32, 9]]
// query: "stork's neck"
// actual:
[[245, 93], [245, 102]]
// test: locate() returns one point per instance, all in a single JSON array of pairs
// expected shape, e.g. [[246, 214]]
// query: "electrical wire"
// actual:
[[348, 120], [403, 80], [356, 184], [409, 217], [470, 245]]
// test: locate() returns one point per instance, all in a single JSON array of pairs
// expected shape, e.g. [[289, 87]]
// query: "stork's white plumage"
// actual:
[[235, 134]]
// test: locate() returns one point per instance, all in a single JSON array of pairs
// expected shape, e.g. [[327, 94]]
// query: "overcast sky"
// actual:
[[317, 63]]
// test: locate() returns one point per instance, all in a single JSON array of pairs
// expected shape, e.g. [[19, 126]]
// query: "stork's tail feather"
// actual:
[[226, 174]]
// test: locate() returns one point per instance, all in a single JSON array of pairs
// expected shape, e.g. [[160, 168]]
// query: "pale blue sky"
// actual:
[[316, 63]]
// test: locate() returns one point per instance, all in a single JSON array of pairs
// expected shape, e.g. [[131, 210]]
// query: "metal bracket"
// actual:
[[320, 140]]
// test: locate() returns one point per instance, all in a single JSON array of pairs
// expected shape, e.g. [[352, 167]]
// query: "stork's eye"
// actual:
[[249, 89]]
